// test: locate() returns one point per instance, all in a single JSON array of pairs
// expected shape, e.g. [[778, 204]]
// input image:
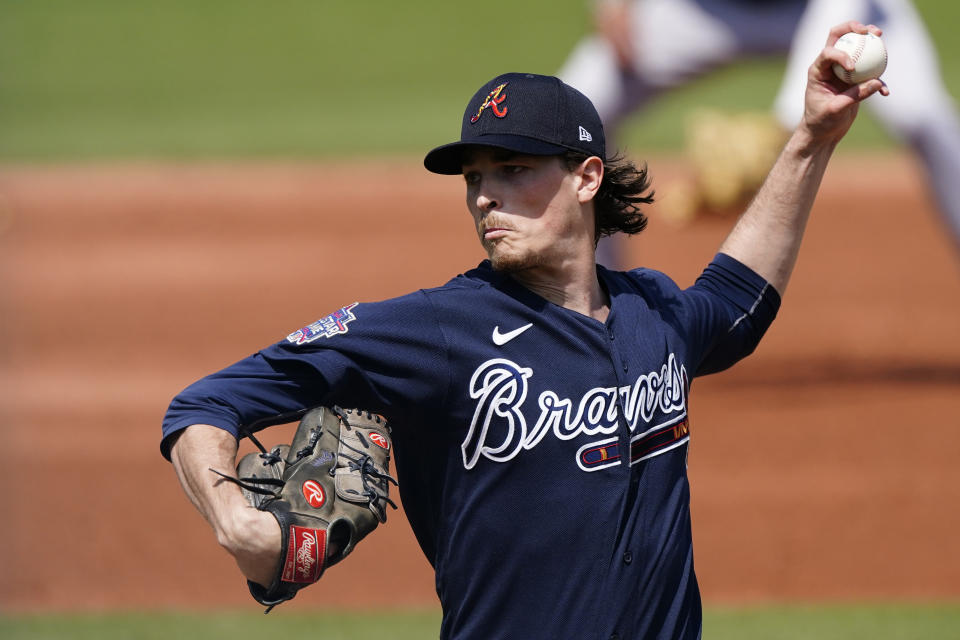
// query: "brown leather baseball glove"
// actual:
[[328, 489]]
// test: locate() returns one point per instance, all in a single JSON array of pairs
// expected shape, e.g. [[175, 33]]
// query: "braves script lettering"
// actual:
[[499, 431]]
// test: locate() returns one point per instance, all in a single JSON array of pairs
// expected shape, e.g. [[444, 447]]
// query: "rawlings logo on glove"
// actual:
[[303, 565]]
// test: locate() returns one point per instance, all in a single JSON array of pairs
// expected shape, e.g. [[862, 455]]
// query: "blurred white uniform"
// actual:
[[919, 111], [675, 41]]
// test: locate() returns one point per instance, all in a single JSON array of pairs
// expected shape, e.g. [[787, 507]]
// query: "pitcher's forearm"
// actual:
[[200, 448], [251, 536], [767, 236]]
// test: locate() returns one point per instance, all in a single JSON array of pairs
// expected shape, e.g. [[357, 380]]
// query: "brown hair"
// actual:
[[622, 191]]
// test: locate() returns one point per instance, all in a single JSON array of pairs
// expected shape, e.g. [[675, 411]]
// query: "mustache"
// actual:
[[494, 223]]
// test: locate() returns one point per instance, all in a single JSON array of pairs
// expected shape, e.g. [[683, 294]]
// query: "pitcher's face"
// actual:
[[527, 209]]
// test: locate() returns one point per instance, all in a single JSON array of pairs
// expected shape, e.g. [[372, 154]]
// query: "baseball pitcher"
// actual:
[[534, 409]]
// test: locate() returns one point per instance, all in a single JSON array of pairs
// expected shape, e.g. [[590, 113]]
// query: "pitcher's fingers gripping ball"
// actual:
[[328, 489], [868, 53]]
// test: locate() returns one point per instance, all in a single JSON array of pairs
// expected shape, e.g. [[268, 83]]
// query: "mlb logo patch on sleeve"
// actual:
[[333, 325]]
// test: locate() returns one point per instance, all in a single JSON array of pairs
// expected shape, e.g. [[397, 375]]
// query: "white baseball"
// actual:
[[868, 53]]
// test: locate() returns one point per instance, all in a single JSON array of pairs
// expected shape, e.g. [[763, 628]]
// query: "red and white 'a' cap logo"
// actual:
[[379, 440], [313, 492]]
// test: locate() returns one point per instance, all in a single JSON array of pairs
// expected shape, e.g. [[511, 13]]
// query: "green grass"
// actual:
[[829, 622], [308, 78], [244, 77], [835, 622], [213, 626]]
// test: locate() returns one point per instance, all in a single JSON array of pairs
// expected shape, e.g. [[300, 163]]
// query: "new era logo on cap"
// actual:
[[532, 114]]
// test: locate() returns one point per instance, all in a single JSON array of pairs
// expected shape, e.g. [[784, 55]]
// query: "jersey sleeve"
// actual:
[[380, 356], [732, 308]]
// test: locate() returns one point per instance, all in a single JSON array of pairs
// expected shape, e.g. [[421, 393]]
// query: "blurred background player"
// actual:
[[643, 48]]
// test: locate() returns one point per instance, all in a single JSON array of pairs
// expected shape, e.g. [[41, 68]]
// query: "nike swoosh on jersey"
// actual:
[[501, 339]]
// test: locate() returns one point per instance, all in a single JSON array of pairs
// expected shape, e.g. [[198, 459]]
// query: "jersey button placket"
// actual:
[[627, 557]]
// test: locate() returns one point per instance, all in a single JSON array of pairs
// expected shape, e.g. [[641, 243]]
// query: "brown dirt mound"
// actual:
[[822, 467]]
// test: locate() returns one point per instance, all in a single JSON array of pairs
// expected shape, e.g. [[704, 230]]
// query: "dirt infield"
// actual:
[[824, 467]]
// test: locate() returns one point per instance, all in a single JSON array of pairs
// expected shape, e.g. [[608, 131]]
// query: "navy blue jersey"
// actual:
[[541, 453]]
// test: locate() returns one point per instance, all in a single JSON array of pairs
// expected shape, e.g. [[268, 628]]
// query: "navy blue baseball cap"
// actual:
[[526, 113]]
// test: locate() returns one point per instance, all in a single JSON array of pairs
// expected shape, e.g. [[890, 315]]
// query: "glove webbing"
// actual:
[[363, 464]]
